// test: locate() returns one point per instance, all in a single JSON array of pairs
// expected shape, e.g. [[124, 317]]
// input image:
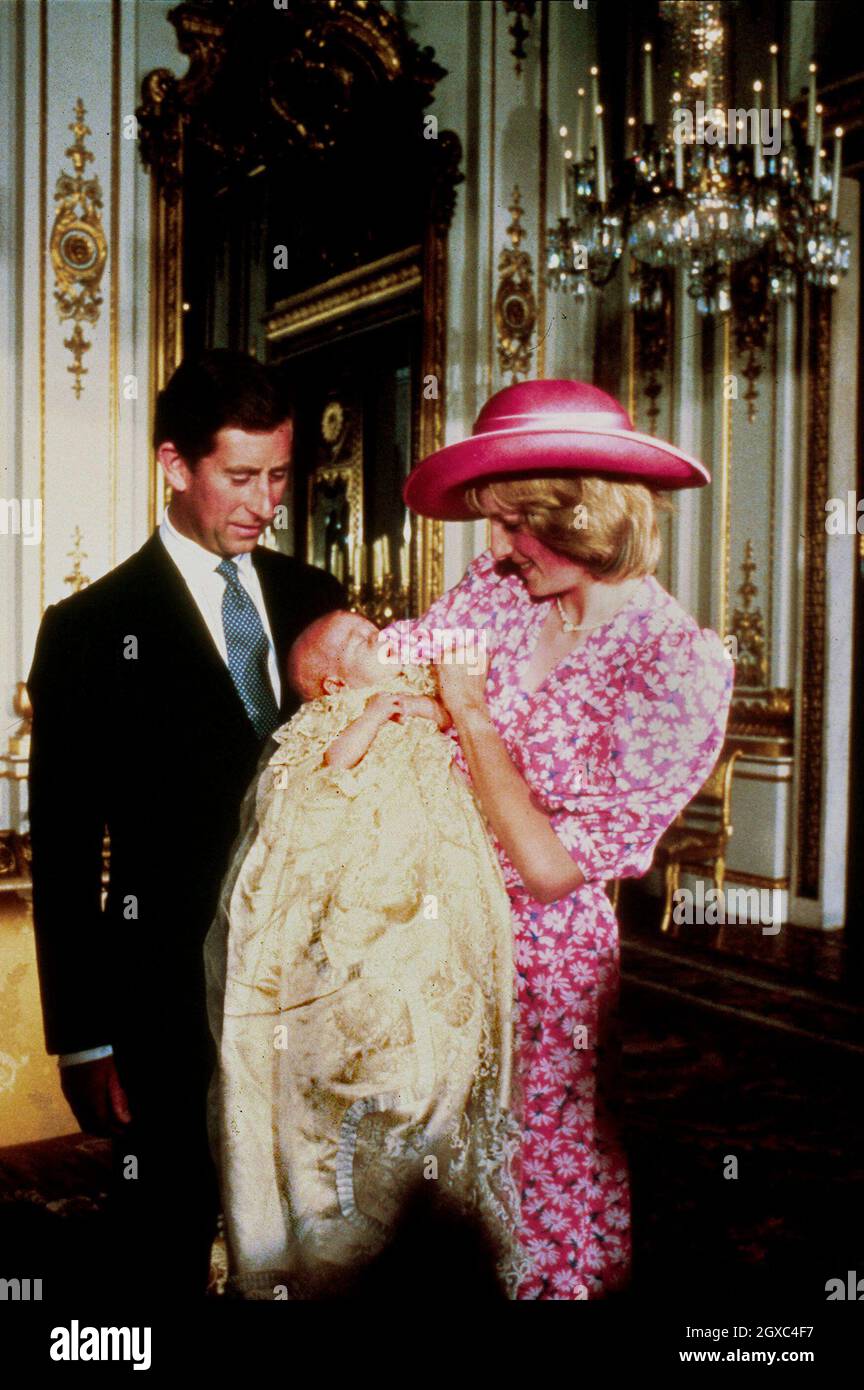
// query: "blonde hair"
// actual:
[[615, 536]]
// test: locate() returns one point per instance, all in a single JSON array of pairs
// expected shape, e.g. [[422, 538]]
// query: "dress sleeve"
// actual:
[[663, 741], [472, 605]]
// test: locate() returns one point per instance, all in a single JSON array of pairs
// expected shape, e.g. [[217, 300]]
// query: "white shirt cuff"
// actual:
[[89, 1054]]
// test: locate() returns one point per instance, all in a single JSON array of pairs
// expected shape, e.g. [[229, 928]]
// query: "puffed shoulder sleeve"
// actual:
[[662, 742], [472, 605]]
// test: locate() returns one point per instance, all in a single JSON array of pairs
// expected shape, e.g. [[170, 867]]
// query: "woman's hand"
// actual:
[[462, 688]]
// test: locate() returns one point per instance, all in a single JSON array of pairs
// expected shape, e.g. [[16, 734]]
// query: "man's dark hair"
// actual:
[[218, 390]]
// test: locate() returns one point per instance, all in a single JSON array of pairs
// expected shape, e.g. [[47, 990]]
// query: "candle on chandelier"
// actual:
[[787, 129], [579, 149], [565, 176], [774, 88], [600, 154], [678, 142], [758, 160], [595, 87], [816, 178], [811, 106], [836, 172], [405, 555], [358, 556], [647, 84], [631, 136]]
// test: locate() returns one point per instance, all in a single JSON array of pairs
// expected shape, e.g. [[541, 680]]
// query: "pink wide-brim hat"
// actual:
[[544, 427]]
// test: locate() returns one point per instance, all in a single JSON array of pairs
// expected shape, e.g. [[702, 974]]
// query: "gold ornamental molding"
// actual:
[[76, 580], [520, 31], [754, 316], [762, 723], [515, 305], [748, 626], [813, 616], [342, 435], [78, 247], [427, 542], [651, 322], [756, 880], [390, 278]]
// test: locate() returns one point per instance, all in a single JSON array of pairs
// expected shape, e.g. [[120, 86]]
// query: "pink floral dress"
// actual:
[[613, 744]]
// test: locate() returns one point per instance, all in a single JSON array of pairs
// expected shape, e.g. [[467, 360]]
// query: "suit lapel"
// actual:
[[184, 634], [277, 602], [283, 611]]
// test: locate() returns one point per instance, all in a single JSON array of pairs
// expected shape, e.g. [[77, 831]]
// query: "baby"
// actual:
[[359, 980]]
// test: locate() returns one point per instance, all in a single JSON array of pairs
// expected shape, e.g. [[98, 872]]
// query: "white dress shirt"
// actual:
[[198, 568]]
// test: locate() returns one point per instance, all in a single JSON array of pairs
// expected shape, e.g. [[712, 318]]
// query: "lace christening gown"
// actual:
[[360, 983]]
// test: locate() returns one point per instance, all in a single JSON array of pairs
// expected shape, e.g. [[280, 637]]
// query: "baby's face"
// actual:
[[354, 650]]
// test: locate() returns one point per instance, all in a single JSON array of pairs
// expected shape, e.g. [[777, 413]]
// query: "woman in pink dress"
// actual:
[[600, 714]]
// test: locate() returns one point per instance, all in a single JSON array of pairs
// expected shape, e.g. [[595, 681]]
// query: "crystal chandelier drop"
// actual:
[[704, 189]]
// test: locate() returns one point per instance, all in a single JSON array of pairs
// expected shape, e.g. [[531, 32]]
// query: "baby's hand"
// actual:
[[425, 707], [384, 706]]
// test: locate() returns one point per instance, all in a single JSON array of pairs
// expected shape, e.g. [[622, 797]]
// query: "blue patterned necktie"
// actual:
[[248, 649]]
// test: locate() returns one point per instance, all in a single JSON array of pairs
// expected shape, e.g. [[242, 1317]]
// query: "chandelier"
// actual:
[[705, 189]]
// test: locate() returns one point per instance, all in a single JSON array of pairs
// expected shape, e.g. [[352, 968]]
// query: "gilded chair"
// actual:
[[698, 836]]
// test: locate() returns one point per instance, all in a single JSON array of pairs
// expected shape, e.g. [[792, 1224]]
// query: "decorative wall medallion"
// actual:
[[78, 246], [748, 625], [520, 10], [333, 422], [515, 305]]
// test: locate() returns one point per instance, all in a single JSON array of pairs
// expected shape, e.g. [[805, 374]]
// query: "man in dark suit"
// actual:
[[154, 694]]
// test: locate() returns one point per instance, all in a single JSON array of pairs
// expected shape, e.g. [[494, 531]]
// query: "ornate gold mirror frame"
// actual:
[[355, 36]]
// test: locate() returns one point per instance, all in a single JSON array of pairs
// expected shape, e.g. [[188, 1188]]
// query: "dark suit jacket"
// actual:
[[160, 750]]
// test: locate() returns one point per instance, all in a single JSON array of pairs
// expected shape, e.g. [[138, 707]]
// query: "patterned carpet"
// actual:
[[716, 1068], [703, 1088]]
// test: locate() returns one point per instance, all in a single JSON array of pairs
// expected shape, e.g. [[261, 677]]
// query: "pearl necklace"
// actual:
[[577, 627]]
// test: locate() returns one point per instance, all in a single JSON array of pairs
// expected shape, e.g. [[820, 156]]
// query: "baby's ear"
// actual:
[[331, 685]]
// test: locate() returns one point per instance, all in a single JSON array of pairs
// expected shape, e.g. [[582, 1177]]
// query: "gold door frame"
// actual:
[[168, 104]]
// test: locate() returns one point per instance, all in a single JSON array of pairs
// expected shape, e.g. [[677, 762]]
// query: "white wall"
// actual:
[[86, 458]]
